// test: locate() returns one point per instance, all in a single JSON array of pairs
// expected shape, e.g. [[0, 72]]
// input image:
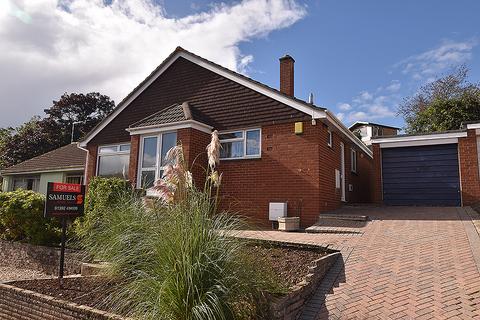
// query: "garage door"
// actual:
[[421, 175]]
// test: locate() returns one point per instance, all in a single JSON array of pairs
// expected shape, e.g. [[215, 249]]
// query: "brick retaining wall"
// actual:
[[21, 304], [40, 258], [289, 307]]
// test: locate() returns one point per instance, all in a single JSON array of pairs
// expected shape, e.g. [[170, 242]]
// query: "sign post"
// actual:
[[64, 200]]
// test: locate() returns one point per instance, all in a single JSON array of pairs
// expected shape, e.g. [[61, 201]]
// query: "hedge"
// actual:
[[21, 218]]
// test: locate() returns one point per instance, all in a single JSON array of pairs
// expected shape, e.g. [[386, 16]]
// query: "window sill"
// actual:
[[240, 158]]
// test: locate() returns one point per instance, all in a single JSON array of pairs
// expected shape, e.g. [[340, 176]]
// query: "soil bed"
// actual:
[[289, 263]]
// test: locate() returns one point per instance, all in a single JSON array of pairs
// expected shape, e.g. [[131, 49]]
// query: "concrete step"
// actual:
[[336, 230], [350, 217]]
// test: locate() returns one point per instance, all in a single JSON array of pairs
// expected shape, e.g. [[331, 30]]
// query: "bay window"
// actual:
[[153, 157], [240, 144], [113, 160]]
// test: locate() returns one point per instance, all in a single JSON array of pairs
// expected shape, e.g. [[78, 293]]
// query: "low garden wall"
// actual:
[[20, 304], [40, 258], [290, 306]]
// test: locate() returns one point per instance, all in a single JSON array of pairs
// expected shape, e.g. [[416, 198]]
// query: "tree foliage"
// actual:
[[40, 135], [443, 104]]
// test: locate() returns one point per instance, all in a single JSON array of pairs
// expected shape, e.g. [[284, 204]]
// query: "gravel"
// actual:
[[10, 273]]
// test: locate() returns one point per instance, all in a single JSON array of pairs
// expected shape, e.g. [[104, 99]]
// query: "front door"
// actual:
[[342, 170]]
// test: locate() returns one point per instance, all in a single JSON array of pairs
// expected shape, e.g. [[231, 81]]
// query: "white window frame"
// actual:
[[112, 153], [158, 167], [74, 176], [24, 178], [244, 139], [330, 138], [353, 160]]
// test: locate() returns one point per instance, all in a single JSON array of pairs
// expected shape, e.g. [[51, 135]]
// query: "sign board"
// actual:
[[64, 200]]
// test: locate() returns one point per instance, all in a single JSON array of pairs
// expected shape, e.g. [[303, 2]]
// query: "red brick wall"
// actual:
[[376, 182], [330, 196], [22, 304], [91, 166], [133, 164], [288, 171], [469, 177], [194, 143], [298, 169]]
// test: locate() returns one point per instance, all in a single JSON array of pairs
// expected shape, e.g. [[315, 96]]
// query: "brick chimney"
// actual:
[[287, 75]]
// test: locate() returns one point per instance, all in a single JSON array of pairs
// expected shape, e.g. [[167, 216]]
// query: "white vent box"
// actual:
[[350, 187], [277, 210]]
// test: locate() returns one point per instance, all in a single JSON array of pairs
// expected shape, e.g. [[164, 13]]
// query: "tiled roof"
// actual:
[[211, 90], [66, 157], [175, 113]]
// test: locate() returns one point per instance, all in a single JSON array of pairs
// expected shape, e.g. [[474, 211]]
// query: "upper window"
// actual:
[[240, 144], [113, 160], [153, 157], [330, 138], [353, 161]]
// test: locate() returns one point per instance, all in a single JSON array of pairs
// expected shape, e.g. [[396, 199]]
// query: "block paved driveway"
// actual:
[[408, 263]]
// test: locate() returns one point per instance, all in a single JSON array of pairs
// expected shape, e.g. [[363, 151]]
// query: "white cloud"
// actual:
[[51, 47], [426, 65], [363, 97], [394, 86], [344, 106], [368, 107], [341, 116]]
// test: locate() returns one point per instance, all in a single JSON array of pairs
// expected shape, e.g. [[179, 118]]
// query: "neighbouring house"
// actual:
[[436, 169], [65, 164], [276, 148], [366, 131]]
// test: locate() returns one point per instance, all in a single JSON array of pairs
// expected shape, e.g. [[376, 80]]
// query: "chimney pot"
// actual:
[[287, 75]]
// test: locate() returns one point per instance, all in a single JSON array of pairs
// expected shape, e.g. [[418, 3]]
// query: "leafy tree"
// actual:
[[443, 104], [85, 109], [40, 135]]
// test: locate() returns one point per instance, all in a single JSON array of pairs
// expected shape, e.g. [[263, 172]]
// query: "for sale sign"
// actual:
[[64, 200]]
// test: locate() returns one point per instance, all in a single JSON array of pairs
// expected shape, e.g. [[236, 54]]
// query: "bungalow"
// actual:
[[65, 164], [276, 148]]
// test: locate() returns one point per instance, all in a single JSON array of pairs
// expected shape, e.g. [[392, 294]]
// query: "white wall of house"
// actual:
[[6, 183], [45, 177], [49, 177]]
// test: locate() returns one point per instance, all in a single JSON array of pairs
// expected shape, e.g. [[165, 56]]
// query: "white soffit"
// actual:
[[473, 126], [420, 140], [171, 127]]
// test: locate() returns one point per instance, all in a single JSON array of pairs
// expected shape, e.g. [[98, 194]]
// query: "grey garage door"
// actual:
[[421, 175]]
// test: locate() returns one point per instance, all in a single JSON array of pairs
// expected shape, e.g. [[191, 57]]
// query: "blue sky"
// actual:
[[345, 48], [359, 58]]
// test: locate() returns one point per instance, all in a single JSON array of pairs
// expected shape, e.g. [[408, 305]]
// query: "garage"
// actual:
[[426, 175]]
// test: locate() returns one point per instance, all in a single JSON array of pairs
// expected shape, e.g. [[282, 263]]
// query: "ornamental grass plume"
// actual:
[[213, 151], [176, 179]]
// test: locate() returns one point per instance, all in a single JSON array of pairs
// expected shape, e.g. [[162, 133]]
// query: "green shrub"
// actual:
[[103, 193], [21, 218]]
